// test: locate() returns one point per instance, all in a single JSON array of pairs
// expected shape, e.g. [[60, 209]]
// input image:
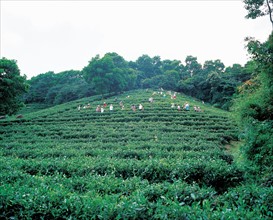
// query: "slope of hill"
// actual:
[[159, 163]]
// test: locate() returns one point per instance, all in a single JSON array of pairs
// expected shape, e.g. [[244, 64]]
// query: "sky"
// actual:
[[64, 35]]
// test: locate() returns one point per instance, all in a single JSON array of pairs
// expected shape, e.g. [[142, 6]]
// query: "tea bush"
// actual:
[[160, 163]]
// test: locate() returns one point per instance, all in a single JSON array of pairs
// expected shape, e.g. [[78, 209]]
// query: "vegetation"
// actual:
[[255, 105], [159, 163], [53, 89], [72, 161], [259, 8], [212, 82], [108, 74], [12, 85]]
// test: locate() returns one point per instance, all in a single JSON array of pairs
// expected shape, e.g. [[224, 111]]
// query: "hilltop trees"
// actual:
[[40, 86], [52, 88], [211, 82], [12, 85], [157, 73], [71, 85], [192, 66], [106, 74]]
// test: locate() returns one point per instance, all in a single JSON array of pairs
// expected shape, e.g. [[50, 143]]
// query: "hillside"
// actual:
[[159, 163]]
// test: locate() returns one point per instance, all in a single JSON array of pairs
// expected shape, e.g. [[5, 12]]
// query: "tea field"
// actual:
[[159, 163]]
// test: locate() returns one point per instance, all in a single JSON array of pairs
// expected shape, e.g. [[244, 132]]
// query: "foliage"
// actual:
[[260, 142], [107, 74], [255, 104], [39, 87], [159, 163], [12, 85], [258, 8], [212, 82], [58, 88]]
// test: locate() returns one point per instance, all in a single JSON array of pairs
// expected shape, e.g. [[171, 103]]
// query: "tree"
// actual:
[[258, 8], [40, 86], [12, 86], [238, 73], [210, 66], [170, 80], [52, 88], [255, 104], [192, 65], [171, 65], [107, 74], [69, 86], [149, 66]]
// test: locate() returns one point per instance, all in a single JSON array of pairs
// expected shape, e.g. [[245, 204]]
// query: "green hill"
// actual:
[[159, 163]]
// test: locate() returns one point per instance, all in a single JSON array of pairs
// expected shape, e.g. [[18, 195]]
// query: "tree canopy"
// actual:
[[211, 82], [255, 104], [259, 8], [106, 74], [57, 88], [12, 86]]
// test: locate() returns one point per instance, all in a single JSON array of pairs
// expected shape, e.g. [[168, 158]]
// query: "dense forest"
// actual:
[[211, 82]]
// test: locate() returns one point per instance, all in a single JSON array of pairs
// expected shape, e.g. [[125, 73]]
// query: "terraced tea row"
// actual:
[[126, 161]]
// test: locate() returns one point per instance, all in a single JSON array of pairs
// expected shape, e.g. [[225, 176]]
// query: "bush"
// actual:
[[259, 143]]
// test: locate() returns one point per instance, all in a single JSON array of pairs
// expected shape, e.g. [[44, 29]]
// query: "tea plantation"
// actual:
[[159, 163]]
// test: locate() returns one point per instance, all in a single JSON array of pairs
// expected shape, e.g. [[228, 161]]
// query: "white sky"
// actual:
[[63, 35]]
